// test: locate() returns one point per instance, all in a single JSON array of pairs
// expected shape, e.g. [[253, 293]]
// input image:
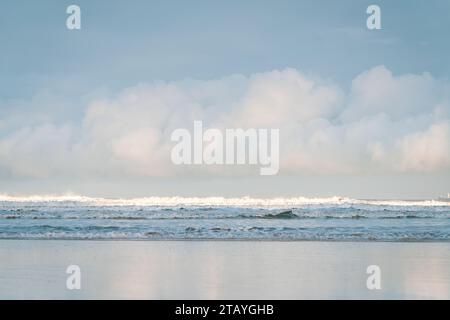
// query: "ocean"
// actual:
[[177, 218]]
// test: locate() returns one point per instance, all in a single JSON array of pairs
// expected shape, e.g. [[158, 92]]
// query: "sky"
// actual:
[[362, 113]]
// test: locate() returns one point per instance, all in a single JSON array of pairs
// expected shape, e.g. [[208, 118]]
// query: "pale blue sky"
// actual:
[[125, 42], [48, 73]]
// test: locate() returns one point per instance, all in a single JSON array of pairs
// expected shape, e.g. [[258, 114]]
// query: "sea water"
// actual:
[[165, 218]]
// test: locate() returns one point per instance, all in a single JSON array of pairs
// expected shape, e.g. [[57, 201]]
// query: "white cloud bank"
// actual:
[[384, 123]]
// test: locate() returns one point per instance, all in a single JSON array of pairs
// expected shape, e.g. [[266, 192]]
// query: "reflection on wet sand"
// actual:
[[223, 270]]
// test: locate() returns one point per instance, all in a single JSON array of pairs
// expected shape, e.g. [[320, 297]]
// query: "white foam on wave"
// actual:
[[216, 201]]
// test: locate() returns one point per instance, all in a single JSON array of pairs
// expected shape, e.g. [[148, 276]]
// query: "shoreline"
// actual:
[[223, 269], [227, 240]]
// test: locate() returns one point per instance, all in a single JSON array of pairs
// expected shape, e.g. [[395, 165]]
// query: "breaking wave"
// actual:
[[217, 201], [299, 218]]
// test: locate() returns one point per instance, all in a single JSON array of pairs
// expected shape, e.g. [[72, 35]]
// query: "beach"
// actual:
[[224, 150], [223, 269]]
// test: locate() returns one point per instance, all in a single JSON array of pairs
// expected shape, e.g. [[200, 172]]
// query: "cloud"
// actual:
[[427, 150], [378, 91], [383, 123]]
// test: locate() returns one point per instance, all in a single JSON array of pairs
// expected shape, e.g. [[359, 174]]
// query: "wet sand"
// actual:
[[31, 269]]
